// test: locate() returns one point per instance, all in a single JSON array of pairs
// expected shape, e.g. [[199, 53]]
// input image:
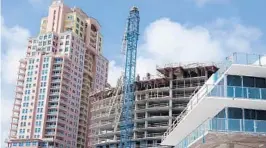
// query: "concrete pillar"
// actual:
[[170, 112], [171, 96]]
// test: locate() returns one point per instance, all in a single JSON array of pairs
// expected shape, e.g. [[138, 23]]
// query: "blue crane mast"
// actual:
[[131, 41]]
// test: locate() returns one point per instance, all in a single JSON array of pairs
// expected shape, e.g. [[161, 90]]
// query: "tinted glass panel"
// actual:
[[261, 115], [234, 80], [260, 82], [250, 114], [248, 82], [235, 113], [221, 114]]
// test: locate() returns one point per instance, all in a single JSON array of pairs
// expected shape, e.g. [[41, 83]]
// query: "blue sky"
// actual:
[[112, 14], [170, 31]]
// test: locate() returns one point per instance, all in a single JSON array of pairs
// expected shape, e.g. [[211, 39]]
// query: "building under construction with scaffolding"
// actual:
[[158, 101]]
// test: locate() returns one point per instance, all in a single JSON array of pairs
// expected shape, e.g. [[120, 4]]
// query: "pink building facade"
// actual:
[[54, 80], [101, 73]]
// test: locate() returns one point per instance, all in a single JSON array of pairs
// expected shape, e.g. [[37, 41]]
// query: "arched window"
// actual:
[[93, 28]]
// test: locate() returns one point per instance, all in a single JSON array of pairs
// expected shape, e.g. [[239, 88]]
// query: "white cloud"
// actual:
[[166, 41], [114, 73], [14, 42]]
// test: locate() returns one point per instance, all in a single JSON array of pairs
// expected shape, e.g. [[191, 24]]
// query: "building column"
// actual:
[[146, 116], [171, 97]]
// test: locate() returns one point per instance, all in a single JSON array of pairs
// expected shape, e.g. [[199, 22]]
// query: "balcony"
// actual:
[[20, 79], [53, 100], [17, 103], [158, 125], [20, 84], [52, 106], [161, 105], [222, 125], [54, 94], [15, 116], [62, 108], [56, 74], [238, 92], [14, 122], [226, 93], [51, 119], [159, 89], [22, 68], [93, 45], [153, 135], [19, 91], [21, 73], [52, 113], [50, 133], [93, 34], [50, 126], [15, 109], [56, 80]]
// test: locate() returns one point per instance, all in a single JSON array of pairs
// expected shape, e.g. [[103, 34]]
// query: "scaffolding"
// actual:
[[158, 101]]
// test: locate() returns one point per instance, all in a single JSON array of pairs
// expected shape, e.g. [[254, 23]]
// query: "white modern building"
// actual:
[[228, 111]]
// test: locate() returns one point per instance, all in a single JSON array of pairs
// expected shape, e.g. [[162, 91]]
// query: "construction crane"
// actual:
[[130, 44]]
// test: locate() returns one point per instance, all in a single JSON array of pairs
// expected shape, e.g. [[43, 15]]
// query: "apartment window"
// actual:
[[37, 130], [77, 25], [77, 32], [45, 37], [77, 19], [67, 42], [81, 23], [49, 42], [66, 49], [40, 37], [70, 17]]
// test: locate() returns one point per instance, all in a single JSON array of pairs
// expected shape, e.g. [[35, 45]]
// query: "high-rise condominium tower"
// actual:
[[62, 65]]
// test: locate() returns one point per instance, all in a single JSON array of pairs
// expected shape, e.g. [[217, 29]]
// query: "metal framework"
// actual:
[[131, 40]]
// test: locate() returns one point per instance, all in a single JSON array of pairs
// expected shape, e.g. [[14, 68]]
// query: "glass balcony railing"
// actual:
[[225, 126], [238, 92], [241, 59]]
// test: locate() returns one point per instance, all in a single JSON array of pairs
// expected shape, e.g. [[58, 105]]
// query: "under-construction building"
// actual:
[[158, 101]]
